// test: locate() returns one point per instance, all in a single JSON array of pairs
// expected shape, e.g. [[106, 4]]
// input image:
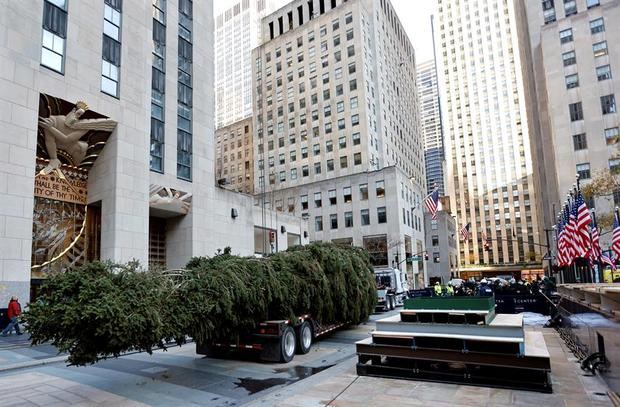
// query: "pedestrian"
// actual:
[[15, 309]]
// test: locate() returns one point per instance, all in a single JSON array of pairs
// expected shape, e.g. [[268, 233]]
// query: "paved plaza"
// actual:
[[325, 376]]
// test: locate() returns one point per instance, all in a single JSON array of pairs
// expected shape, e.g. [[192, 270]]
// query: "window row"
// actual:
[[348, 219], [612, 136], [608, 106]]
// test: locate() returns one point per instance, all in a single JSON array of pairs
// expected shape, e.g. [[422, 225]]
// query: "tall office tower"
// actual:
[[578, 83], [337, 135], [237, 32], [430, 120], [490, 126]]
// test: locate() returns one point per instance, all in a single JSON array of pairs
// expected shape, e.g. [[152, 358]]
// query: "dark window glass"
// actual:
[[55, 20], [111, 50]]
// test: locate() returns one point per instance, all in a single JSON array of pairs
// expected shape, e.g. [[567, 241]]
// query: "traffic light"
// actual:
[[425, 256], [272, 235]]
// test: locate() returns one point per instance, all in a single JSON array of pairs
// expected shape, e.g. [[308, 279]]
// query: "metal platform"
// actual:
[[457, 341]]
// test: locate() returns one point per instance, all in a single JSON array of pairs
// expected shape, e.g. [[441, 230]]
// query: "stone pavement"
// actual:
[[340, 386]]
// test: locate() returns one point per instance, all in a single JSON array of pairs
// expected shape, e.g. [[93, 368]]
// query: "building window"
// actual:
[[575, 111], [54, 34], [600, 49], [365, 217], [333, 221], [380, 189], [348, 18], [346, 192], [185, 92], [304, 202], [318, 223], [344, 162], [570, 7], [608, 104], [614, 165], [332, 197], [353, 101], [603, 72], [158, 88], [569, 58], [317, 168], [356, 139], [293, 173], [612, 135], [111, 48], [318, 202], [592, 3], [342, 142], [363, 192], [355, 119], [357, 158], [348, 219], [579, 142], [566, 36], [597, 26], [572, 81], [330, 165], [548, 11], [435, 240], [329, 146], [381, 215], [583, 170]]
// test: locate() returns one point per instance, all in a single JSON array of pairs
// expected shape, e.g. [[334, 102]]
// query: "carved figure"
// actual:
[[65, 133], [164, 198]]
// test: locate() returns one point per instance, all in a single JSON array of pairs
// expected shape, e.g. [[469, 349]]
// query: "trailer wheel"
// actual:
[[288, 343], [304, 338]]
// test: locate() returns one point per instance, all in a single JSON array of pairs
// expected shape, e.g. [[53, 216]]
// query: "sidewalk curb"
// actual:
[[31, 363]]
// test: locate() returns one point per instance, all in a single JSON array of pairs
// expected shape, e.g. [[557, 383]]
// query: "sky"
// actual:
[[414, 15]]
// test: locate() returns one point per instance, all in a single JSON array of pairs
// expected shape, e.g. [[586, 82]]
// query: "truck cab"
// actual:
[[392, 288]]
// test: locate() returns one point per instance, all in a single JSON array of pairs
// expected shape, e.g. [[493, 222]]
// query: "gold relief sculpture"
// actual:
[[70, 140], [65, 132]]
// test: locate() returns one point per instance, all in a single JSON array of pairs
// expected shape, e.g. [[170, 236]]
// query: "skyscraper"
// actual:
[[490, 126], [336, 124], [430, 124], [577, 71], [237, 32]]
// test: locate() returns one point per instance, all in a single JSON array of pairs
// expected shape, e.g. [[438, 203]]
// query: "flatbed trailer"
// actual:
[[274, 340]]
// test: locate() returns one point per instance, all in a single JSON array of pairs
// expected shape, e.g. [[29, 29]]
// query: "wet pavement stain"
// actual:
[[295, 373], [301, 372], [256, 385]]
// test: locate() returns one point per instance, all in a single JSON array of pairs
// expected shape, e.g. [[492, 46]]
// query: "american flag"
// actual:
[[562, 249], [466, 233], [595, 249], [605, 259], [573, 238], [583, 220], [615, 239], [432, 203]]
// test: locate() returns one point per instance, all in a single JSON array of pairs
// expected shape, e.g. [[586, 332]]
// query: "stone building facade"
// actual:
[[576, 63], [234, 151]]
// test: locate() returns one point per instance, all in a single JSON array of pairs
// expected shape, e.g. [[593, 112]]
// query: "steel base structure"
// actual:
[[455, 373]]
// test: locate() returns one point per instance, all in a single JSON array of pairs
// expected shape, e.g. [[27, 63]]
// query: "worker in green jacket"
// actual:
[[450, 289]]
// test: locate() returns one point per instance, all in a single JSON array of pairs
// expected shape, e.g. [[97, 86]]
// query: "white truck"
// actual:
[[392, 288]]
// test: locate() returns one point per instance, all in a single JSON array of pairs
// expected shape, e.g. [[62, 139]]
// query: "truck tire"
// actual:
[[304, 338], [392, 303], [288, 343]]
